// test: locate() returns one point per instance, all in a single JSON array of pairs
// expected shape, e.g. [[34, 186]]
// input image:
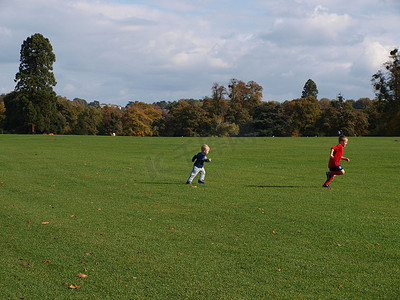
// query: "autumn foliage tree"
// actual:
[[138, 119]]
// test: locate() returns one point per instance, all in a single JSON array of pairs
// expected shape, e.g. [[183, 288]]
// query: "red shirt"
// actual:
[[337, 155]]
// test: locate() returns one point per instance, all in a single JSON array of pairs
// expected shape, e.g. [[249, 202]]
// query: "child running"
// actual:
[[198, 166], [334, 161]]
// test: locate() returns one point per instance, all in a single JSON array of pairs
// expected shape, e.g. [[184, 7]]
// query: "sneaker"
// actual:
[[326, 185], [201, 181], [328, 175], [187, 182]]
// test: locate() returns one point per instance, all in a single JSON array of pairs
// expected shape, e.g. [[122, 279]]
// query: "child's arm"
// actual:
[[332, 150], [345, 158]]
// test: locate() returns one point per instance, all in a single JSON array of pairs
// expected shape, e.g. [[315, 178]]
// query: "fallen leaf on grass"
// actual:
[[47, 261], [45, 223], [81, 275], [8, 225], [74, 286]]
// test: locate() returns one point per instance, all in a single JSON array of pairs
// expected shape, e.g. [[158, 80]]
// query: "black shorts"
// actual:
[[337, 168]]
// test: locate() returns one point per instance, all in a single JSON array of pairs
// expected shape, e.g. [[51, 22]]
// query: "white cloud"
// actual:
[[118, 51]]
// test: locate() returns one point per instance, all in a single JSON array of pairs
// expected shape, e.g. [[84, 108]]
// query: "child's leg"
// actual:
[[193, 174], [202, 174], [330, 175], [329, 178]]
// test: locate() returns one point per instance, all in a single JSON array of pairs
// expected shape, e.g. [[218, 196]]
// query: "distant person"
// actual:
[[334, 161], [198, 166]]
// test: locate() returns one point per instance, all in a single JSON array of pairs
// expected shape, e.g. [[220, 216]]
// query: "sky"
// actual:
[[116, 51]]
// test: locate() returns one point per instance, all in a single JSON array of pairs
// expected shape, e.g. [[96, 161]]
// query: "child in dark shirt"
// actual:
[[198, 166]]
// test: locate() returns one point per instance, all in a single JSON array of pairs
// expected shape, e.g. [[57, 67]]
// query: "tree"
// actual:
[[268, 120], [139, 118], [362, 103], [112, 121], [387, 89], [69, 112], [2, 115], [309, 89], [216, 108], [304, 114], [88, 122], [34, 88], [243, 98], [185, 119]]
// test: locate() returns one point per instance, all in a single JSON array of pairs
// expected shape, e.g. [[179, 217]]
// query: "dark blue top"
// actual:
[[200, 159]]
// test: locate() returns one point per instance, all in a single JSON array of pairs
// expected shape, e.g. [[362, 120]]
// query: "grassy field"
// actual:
[[87, 217]]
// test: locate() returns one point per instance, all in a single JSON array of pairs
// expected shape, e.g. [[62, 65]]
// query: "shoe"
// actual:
[[328, 175], [201, 181], [187, 182], [326, 185]]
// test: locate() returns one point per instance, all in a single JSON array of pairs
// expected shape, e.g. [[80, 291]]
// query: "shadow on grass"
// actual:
[[162, 183], [280, 186]]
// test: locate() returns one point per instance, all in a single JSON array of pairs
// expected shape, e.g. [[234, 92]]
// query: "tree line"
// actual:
[[234, 110]]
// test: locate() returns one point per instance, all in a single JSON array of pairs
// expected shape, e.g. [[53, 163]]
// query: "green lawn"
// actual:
[[117, 209]]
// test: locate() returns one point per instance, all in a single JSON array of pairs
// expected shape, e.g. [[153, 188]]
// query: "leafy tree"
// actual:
[[14, 121], [69, 113], [88, 122], [216, 108], [309, 89], [326, 124], [243, 98], [185, 119], [341, 115], [304, 114], [139, 118], [324, 103], [387, 89], [112, 121], [34, 88], [163, 104], [268, 120], [362, 103], [80, 102], [2, 115]]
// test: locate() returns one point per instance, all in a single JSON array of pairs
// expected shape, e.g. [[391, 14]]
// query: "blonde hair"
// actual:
[[204, 147]]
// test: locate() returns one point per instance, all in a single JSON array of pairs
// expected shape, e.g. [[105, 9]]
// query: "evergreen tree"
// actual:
[[33, 99], [309, 89]]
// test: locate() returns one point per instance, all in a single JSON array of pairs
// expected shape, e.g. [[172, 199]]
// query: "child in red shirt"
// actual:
[[334, 161]]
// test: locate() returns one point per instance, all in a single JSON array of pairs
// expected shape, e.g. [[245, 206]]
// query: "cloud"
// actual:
[[119, 51]]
